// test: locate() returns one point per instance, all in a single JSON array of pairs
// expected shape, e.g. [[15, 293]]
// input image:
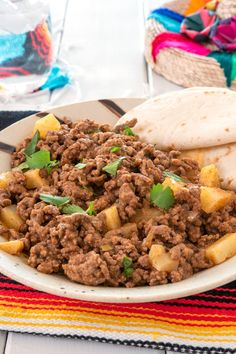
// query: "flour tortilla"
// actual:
[[201, 122]]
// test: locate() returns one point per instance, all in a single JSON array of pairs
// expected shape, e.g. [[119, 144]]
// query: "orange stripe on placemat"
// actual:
[[171, 320], [178, 322], [41, 299], [217, 321]]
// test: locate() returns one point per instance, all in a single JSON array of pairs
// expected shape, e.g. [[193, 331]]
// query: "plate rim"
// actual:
[[119, 295]]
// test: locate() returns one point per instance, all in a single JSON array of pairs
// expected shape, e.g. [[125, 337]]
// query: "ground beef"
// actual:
[[5, 198], [79, 245], [88, 269]]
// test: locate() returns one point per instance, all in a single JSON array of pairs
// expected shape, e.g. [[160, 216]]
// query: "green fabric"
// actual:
[[194, 22], [226, 62], [233, 72]]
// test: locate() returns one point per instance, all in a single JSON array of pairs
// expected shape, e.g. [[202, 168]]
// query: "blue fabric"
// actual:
[[169, 19], [56, 79], [12, 46]]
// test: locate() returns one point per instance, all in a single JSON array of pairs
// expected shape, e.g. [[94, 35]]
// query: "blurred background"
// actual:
[[98, 52]]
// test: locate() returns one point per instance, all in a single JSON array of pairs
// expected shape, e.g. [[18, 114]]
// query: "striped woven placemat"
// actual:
[[200, 324]]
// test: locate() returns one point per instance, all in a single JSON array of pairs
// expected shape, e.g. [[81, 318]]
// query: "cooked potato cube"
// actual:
[[222, 249], [196, 154], [174, 186], [34, 180], [212, 199], [112, 218], [12, 247], [10, 218], [106, 248], [5, 179], [161, 260], [209, 176], [145, 214], [45, 124]]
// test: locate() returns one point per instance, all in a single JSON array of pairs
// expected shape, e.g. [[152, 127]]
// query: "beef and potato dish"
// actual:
[[100, 206]]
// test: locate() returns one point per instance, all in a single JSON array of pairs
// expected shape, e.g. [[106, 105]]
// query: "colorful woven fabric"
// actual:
[[185, 33], [224, 35], [203, 324], [212, 5], [225, 61], [195, 5], [233, 72], [27, 53], [199, 25], [174, 40], [169, 19]]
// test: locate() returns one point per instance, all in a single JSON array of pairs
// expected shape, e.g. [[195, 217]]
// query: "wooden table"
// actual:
[[102, 41]]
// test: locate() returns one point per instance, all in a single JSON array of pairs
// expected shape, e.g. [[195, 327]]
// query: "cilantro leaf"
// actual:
[[80, 165], [22, 166], [91, 211], [162, 196], [72, 208], [40, 159], [173, 176], [128, 131], [54, 199], [115, 149], [112, 167], [127, 264], [31, 147]]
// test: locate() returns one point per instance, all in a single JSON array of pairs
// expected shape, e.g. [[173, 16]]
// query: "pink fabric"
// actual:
[[224, 35], [176, 40]]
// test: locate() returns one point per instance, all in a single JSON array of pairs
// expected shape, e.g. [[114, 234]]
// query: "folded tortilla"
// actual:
[[200, 122]]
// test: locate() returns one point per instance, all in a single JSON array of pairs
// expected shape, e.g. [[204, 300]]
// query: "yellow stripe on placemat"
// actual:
[[88, 312], [220, 331]]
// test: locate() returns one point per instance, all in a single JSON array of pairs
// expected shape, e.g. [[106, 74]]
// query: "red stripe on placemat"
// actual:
[[175, 310]]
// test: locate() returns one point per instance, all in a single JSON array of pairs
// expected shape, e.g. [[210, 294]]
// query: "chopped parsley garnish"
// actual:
[[162, 196], [80, 165], [112, 167], [31, 147], [128, 131], [54, 199], [91, 211], [173, 176], [115, 149], [127, 264], [72, 209], [40, 159]]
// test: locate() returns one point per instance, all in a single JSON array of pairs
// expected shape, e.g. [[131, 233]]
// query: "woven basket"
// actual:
[[184, 68]]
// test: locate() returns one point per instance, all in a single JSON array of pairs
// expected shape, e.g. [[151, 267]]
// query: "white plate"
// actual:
[[17, 269]]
